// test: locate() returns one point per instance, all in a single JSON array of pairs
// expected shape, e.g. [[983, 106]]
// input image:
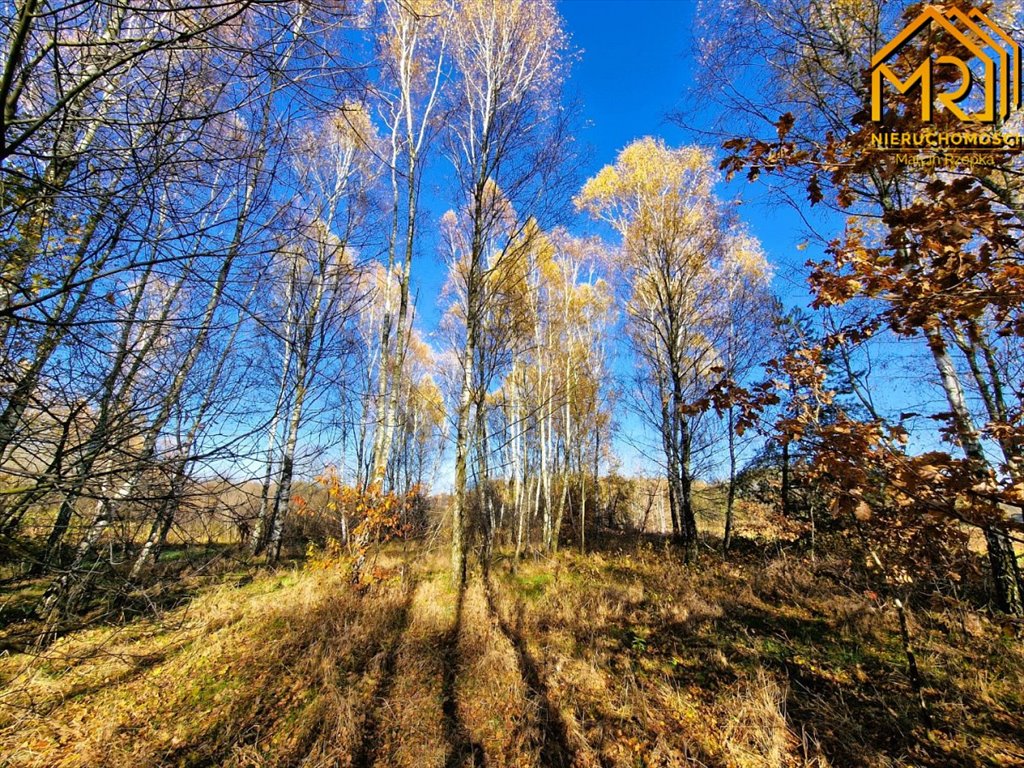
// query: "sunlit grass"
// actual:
[[616, 658]]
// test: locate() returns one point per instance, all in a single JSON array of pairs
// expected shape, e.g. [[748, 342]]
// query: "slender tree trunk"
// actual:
[[730, 496], [545, 469], [583, 513], [990, 385], [65, 594], [686, 505], [75, 135], [261, 528], [283, 499], [664, 500], [64, 313], [787, 508], [568, 439], [310, 324], [461, 455], [672, 489], [521, 506], [162, 523], [1006, 579], [168, 509], [483, 471], [117, 384]]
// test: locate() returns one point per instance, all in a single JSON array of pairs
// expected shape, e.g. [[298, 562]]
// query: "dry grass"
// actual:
[[760, 662], [410, 730], [756, 733], [491, 692], [272, 673], [609, 660]]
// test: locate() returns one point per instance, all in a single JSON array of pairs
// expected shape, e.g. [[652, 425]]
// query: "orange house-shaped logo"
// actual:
[[996, 54]]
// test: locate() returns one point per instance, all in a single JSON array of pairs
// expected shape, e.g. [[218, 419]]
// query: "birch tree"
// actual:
[[413, 55], [507, 55], [675, 238], [320, 282], [821, 144]]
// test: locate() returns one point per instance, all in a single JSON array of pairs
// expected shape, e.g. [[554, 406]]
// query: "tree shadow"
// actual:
[[463, 752], [367, 752], [855, 723], [113, 599], [296, 642], [556, 751]]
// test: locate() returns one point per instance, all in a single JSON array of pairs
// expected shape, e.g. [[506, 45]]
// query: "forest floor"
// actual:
[[621, 657]]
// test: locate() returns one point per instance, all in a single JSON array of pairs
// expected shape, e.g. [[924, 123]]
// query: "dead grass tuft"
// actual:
[[411, 731], [756, 734]]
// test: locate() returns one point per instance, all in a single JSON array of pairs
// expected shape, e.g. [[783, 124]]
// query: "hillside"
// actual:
[[621, 657]]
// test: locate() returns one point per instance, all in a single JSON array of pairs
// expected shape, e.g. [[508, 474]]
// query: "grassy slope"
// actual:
[[621, 658]]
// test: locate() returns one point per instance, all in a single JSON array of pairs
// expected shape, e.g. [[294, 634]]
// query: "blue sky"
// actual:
[[635, 67], [634, 70]]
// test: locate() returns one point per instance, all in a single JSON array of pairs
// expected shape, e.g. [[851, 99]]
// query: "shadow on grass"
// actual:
[[555, 748], [367, 752], [113, 599], [853, 694], [713, 628], [265, 683], [463, 752]]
